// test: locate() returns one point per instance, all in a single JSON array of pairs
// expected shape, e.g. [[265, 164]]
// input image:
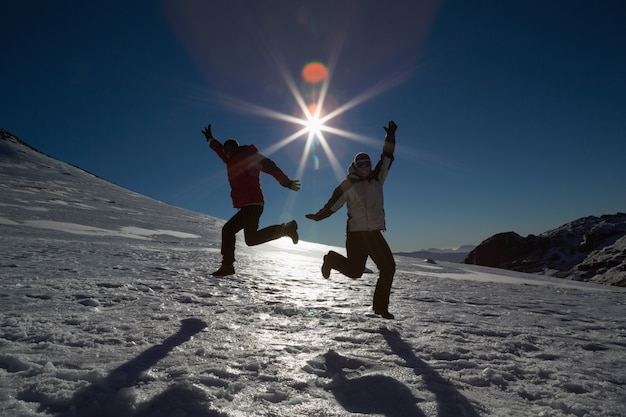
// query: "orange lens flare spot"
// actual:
[[314, 72]]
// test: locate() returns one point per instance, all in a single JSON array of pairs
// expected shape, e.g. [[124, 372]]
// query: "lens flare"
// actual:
[[314, 72], [314, 109], [316, 162]]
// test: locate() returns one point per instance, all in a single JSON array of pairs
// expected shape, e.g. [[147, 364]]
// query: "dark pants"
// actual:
[[247, 218], [360, 245]]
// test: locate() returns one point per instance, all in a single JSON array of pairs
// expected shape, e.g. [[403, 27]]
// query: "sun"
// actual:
[[314, 124]]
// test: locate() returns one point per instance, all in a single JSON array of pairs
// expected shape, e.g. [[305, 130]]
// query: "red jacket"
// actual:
[[244, 168]]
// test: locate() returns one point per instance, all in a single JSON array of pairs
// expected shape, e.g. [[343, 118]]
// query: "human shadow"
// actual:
[[113, 396], [371, 394], [450, 402]]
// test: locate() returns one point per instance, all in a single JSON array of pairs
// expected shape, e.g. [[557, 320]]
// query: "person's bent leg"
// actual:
[[254, 237], [354, 264]]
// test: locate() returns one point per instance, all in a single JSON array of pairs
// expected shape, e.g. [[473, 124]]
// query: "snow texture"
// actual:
[[107, 308]]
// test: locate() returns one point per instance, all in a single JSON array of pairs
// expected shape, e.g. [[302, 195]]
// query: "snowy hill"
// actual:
[[107, 309], [588, 249]]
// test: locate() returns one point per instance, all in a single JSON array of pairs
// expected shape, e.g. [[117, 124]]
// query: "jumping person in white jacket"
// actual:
[[362, 191]]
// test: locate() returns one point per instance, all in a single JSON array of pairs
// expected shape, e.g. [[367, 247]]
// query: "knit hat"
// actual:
[[230, 145], [361, 156]]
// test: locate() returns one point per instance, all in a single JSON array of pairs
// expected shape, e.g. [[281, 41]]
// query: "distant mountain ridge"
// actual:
[[448, 255], [587, 249]]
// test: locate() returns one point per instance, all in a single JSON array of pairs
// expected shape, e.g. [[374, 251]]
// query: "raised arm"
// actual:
[[214, 144], [390, 139]]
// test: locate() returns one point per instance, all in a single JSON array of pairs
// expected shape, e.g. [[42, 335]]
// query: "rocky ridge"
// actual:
[[588, 249]]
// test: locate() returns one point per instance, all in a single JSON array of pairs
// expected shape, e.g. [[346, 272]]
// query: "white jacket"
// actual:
[[363, 196]]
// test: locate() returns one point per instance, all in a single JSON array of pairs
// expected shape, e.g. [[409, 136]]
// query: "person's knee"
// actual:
[[228, 230], [354, 273], [388, 271], [249, 240], [388, 274], [253, 238], [390, 266], [355, 270]]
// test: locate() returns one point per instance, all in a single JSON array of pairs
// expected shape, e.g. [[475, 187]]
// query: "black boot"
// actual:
[[326, 268], [226, 269], [291, 230], [384, 313]]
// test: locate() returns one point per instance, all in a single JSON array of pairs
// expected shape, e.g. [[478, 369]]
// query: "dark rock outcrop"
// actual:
[[588, 249]]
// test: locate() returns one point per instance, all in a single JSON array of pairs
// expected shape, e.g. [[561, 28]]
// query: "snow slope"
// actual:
[[107, 308]]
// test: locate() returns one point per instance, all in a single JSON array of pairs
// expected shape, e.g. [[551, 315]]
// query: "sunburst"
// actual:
[[314, 121]]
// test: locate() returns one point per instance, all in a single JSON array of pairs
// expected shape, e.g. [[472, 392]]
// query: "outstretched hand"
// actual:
[[207, 133], [391, 128], [294, 185], [311, 217]]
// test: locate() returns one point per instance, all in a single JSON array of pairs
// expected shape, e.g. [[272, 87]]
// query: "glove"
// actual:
[[207, 133], [312, 217], [391, 129], [293, 185]]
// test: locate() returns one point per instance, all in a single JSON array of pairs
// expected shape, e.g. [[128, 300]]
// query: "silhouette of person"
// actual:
[[362, 191], [244, 165]]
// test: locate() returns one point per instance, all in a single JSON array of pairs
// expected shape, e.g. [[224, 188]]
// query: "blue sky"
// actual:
[[511, 115]]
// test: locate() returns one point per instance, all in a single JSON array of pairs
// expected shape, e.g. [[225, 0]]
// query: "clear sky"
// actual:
[[511, 114]]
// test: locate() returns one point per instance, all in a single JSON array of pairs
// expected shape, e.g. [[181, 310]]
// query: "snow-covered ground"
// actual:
[[107, 308]]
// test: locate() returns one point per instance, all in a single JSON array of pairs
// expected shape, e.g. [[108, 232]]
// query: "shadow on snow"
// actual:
[[450, 402], [114, 395], [381, 394]]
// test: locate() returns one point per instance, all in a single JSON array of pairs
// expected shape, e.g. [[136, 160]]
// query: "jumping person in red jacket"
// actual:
[[244, 164]]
